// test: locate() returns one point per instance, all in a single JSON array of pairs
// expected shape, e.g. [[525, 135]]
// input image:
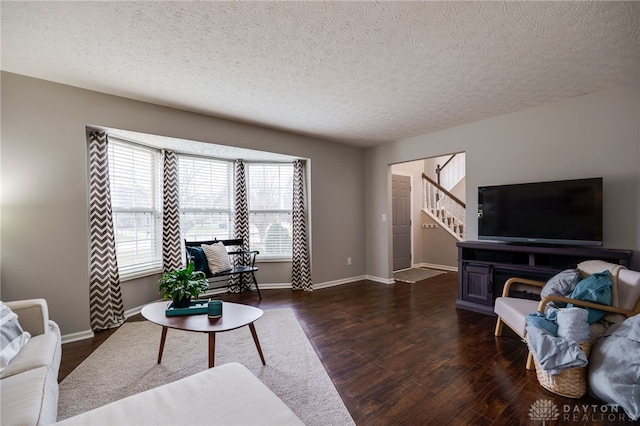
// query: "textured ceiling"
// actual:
[[361, 73]]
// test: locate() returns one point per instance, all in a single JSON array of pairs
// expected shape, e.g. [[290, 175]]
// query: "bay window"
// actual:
[[206, 190]]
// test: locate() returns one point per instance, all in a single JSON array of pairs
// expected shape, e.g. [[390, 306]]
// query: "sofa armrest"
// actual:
[[33, 315]]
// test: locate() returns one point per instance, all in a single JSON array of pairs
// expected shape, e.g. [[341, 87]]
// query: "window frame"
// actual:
[[288, 211], [154, 265], [213, 211]]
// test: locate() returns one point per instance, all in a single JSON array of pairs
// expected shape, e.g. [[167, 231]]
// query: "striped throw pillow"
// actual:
[[217, 257], [12, 336]]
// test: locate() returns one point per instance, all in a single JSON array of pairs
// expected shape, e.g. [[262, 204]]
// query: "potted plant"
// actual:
[[180, 285]]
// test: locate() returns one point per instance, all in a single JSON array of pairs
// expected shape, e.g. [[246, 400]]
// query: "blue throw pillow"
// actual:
[[199, 260], [595, 288]]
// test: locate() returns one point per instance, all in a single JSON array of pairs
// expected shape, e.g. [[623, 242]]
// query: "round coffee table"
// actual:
[[234, 315]]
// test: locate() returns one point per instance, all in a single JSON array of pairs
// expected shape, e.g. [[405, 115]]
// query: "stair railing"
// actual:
[[444, 207], [451, 172]]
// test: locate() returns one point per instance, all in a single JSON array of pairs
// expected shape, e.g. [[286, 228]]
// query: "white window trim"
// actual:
[[154, 266], [228, 211], [264, 257]]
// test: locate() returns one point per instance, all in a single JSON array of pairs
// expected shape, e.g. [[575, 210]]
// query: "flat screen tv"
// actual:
[[566, 212]]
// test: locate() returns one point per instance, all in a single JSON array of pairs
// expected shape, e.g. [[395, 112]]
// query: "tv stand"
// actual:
[[484, 267], [520, 243]]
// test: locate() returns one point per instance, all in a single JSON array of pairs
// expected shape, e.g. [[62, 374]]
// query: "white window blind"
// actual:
[[270, 193], [206, 198], [136, 186]]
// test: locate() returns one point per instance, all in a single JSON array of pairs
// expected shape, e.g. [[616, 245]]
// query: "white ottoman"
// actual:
[[225, 395]]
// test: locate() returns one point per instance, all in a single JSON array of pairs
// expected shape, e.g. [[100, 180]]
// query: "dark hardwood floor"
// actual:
[[403, 354]]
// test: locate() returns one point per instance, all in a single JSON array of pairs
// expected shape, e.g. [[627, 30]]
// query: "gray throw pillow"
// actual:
[[12, 337], [561, 284]]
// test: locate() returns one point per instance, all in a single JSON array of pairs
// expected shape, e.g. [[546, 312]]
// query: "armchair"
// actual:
[[512, 311]]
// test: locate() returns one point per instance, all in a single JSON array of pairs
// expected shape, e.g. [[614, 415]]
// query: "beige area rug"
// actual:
[[126, 364], [414, 275]]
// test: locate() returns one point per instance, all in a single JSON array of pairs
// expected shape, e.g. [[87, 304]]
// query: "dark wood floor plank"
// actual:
[[402, 354]]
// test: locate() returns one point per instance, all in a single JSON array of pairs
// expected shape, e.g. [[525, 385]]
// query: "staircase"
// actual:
[[439, 203]]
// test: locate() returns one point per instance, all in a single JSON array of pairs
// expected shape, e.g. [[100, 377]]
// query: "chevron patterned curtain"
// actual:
[[300, 265], [171, 245], [241, 217], [105, 299]]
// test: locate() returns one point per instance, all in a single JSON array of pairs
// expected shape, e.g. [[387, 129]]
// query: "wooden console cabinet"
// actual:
[[484, 267]]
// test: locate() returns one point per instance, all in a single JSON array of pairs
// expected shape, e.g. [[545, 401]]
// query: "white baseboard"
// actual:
[[328, 284], [380, 279], [275, 286], [434, 266], [134, 311], [316, 286], [88, 334], [74, 337]]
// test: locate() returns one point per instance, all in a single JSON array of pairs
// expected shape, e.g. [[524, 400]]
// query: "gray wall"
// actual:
[[438, 245], [596, 134], [44, 218]]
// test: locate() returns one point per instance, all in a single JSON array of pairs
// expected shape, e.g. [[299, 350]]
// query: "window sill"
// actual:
[[272, 259], [140, 274]]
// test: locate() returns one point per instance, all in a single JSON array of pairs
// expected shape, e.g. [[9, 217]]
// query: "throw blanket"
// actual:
[[573, 324], [591, 267], [555, 347], [595, 288], [554, 354], [614, 370]]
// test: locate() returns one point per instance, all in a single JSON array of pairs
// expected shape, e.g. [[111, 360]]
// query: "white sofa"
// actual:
[[225, 395], [29, 383]]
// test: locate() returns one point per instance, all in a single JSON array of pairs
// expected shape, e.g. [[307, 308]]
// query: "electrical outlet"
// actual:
[[348, 261]]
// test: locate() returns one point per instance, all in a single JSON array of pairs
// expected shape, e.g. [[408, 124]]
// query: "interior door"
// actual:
[[401, 212]]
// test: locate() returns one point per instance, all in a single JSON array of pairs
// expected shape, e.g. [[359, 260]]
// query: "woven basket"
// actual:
[[571, 382]]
